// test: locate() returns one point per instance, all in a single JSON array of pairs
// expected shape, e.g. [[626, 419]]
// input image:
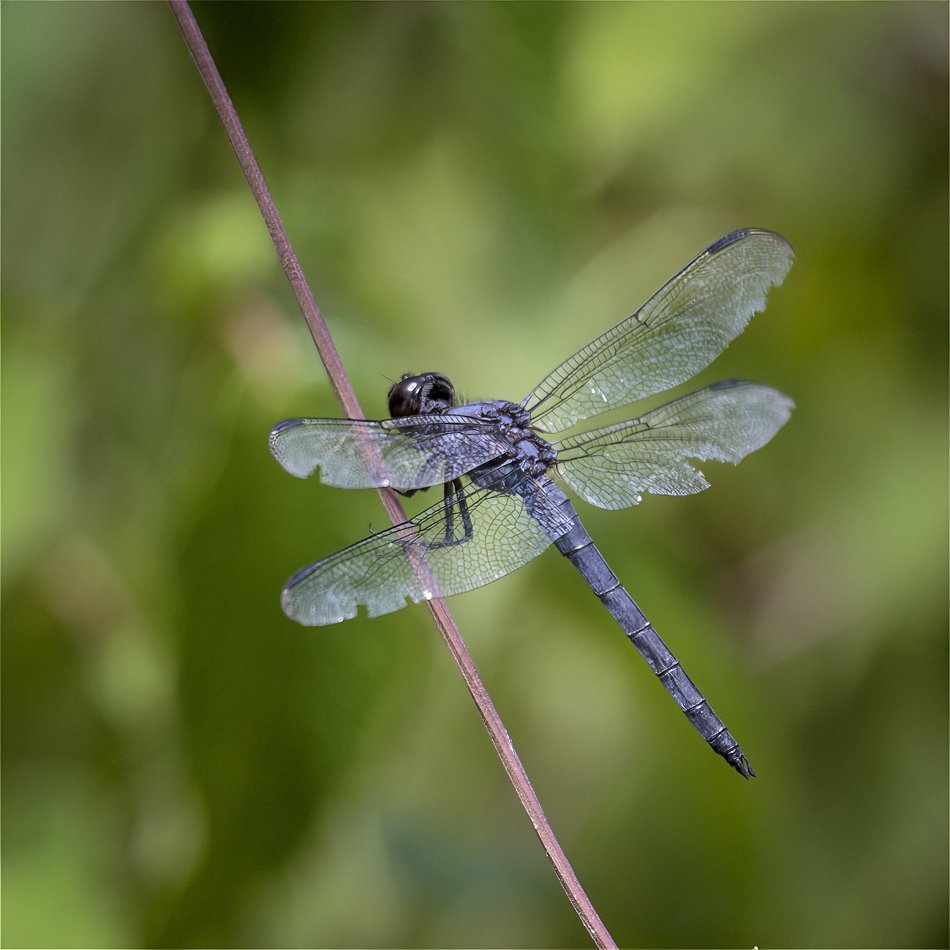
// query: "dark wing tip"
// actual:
[[741, 234]]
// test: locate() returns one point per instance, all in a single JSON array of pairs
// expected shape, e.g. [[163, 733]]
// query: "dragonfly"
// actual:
[[495, 460]]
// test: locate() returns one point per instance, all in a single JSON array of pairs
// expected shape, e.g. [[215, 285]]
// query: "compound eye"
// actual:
[[421, 395], [404, 396]]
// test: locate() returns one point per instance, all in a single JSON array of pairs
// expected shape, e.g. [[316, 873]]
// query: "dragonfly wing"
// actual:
[[676, 333], [611, 467], [407, 453], [471, 539]]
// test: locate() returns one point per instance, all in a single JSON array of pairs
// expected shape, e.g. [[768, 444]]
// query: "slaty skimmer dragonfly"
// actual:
[[494, 458]]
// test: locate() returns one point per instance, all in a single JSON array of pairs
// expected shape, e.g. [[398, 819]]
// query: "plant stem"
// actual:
[[347, 397]]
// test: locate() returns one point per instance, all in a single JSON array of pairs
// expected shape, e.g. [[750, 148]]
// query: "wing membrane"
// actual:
[[407, 453], [378, 572], [611, 467], [676, 333]]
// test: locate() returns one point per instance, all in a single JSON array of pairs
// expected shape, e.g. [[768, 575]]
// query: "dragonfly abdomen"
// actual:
[[576, 545], [684, 691]]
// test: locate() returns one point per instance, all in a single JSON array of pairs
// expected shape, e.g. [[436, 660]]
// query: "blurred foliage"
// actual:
[[475, 188]]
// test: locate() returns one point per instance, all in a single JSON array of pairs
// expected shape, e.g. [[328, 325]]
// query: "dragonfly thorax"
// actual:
[[530, 455]]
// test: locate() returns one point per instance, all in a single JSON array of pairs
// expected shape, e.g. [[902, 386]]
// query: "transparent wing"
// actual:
[[676, 333], [613, 466], [407, 453], [487, 536]]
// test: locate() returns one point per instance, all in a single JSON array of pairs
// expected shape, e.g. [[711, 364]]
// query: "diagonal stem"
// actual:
[[347, 397]]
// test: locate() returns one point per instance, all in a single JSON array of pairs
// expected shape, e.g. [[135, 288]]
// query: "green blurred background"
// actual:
[[478, 189]]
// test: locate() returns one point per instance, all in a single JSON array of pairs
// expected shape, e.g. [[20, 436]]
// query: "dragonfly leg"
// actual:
[[454, 495]]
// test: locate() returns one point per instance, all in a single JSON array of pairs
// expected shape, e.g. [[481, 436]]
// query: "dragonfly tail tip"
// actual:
[[743, 767]]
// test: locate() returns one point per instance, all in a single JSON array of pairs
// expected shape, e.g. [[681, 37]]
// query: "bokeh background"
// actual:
[[478, 189]]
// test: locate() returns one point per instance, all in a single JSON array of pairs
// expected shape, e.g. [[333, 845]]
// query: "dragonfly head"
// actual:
[[419, 395]]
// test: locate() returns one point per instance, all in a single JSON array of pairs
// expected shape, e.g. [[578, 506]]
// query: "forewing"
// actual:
[[382, 572], [676, 333], [613, 466], [407, 453]]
